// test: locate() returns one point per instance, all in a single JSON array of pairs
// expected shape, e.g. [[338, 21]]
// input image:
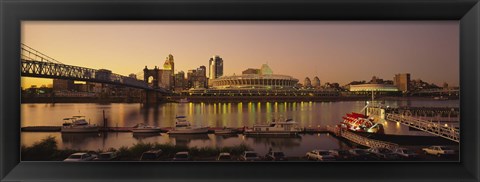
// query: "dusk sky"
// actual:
[[335, 51]]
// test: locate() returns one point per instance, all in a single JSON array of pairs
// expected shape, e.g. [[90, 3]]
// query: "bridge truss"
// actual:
[[37, 64]]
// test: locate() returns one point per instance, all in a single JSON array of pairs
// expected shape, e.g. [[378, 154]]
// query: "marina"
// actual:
[[294, 136]]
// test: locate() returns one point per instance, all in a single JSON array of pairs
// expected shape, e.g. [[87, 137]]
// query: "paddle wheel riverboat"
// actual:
[[360, 123]]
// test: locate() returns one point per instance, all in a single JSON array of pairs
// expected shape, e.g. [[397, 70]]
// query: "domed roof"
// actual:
[[266, 70]]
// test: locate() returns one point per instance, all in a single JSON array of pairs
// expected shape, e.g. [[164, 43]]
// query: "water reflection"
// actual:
[[141, 136], [71, 140], [278, 142], [307, 114], [187, 139], [225, 136]]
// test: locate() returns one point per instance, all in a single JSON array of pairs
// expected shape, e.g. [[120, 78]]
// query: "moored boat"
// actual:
[[144, 128], [287, 127], [360, 123], [78, 124], [182, 126]]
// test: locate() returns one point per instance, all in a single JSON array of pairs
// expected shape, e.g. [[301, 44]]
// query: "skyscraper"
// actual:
[[169, 67], [197, 78], [169, 64], [180, 82], [216, 67], [402, 81]]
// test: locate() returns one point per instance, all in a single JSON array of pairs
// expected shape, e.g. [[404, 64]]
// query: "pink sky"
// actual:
[[335, 51]]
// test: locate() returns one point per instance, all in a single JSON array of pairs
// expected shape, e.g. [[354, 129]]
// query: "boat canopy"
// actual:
[[80, 122]]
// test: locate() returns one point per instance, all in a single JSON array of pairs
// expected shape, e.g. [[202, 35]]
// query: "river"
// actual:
[[307, 114]]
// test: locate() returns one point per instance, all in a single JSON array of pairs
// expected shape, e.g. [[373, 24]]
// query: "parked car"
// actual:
[[406, 153], [151, 155], [107, 156], [224, 157], [320, 155], [182, 156], [275, 156], [362, 154], [341, 154], [383, 153], [249, 156], [77, 157], [438, 150]]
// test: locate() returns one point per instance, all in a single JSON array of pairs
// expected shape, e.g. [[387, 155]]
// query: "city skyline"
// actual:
[[334, 51]]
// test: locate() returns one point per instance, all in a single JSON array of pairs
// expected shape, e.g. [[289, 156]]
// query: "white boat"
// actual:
[[78, 124], [287, 127], [144, 128], [182, 126]]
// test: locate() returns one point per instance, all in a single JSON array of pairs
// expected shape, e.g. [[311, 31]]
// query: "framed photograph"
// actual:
[[249, 90]]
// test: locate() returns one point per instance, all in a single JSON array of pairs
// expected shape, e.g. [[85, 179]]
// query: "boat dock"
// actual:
[[163, 130]]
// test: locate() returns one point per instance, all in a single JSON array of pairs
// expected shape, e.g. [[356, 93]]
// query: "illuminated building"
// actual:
[[216, 67], [197, 78], [264, 79], [402, 81], [169, 63], [373, 87]]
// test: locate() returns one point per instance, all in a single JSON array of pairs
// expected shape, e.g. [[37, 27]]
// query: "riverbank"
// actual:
[[222, 99]]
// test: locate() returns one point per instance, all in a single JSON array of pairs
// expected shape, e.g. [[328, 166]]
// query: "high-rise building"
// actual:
[[197, 78], [180, 82], [190, 78], [202, 71], [216, 67], [166, 79], [169, 63], [402, 81]]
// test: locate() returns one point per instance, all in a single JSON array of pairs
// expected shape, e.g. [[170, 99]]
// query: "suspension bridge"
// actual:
[[37, 64]]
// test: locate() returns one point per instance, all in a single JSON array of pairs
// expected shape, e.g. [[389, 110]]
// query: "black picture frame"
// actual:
[[12, 12]]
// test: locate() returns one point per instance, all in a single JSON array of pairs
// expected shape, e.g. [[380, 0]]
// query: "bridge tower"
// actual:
[[151, 96], [147, 73]]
